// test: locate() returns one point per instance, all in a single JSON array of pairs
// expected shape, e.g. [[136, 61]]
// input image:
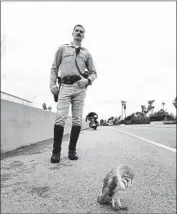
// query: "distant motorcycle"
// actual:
[[92, 117], [93, 123]]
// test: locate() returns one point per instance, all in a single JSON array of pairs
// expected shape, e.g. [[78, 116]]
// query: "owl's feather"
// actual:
[[116, 180]]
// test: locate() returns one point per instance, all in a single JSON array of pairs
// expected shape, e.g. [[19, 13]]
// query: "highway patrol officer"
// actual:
[[72, 60]]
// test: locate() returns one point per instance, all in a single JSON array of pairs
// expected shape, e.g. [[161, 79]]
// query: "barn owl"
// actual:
[[116, 181]]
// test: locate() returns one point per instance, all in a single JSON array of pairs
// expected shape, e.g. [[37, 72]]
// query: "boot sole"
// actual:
[[73, 158], [55, 161]]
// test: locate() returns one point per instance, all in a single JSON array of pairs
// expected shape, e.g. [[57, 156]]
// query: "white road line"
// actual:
[[148, 141]]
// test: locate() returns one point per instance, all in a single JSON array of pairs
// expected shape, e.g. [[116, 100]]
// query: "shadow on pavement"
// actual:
[[35, 148]]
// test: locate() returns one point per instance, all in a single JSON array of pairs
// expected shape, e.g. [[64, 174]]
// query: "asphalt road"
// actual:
[[31, 184]]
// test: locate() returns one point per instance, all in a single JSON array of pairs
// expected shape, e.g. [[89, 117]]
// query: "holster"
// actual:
[[59, 85]]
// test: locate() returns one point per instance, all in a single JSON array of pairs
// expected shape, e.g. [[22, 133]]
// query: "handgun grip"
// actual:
[[56, 98]]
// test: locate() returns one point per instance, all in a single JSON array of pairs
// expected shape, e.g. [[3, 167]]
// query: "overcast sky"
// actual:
[[133, 45]]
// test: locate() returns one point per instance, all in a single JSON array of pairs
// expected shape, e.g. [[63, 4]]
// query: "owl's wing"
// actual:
[[109, 185]]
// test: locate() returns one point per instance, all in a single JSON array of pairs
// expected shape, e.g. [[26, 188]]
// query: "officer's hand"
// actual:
[[54, 89], [82, 82]]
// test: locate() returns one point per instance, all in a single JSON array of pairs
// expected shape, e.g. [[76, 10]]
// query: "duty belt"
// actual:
[[70, 79]]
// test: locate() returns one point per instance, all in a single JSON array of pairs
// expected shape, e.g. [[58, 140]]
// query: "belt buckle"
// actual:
[[68, 80]]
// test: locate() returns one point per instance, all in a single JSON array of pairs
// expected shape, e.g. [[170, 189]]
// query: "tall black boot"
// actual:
[[58, 135], [75, 131]]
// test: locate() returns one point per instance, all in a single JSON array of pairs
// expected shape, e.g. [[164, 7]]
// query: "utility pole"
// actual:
[[123, 109]]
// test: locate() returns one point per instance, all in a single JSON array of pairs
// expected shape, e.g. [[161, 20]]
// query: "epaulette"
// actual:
[[63, 45], [85, 49]]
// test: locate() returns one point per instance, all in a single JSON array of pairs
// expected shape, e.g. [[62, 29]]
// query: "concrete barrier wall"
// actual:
[[23, 125]]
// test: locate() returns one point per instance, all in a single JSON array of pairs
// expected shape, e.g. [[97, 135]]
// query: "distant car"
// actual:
[[105, 124], [110, 123]]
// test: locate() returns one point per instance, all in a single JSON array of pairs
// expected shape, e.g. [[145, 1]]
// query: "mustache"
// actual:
[[78, 34]]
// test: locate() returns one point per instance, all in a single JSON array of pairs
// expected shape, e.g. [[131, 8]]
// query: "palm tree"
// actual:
[[49, 108], [150, 106], [163, 104], [143, 109], [44, 106], [152, 109]]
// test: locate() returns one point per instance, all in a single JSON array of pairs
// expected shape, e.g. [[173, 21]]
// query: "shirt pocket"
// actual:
[[67, 57], [82, 57]]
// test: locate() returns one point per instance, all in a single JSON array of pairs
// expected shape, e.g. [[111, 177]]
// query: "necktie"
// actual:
[[77, 50]]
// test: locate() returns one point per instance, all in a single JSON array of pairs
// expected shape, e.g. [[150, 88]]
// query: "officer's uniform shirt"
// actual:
[[64, 61]]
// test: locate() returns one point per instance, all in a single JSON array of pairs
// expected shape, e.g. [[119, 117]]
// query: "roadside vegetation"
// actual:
[[145, 116]]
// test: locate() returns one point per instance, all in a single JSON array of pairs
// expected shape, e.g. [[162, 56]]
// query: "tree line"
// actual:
[[145, 116]]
